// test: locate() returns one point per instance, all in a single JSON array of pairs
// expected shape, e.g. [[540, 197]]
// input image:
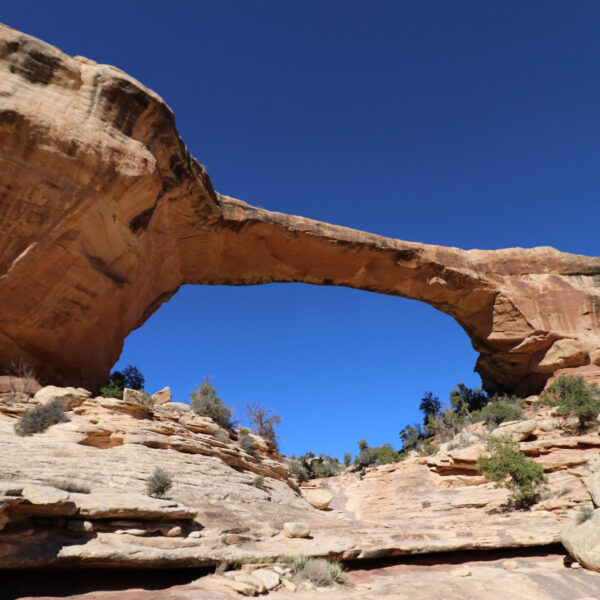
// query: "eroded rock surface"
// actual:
[[104, 215]]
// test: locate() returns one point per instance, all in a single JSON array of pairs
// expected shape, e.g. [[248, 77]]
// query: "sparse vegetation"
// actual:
[[509, 468], [499, 411], [206, 403], [38, 419], [130, 377], [299, 562], [378, 455], [573, 396], [585, 514], [22, 379], [159, 483], [317, 571], [308, 466], [71, 486], [259, 482], [347, 459], [247, 444], [263, 421]]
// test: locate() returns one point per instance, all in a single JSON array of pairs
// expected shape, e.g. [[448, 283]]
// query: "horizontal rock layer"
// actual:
[[104, 215]]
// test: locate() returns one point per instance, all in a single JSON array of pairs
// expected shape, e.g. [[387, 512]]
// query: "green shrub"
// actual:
[[206, 403], [447, 424], [573, 396], [247, 444], [362, 444], [159, 483], [38, 419], [298, 470], [299, 562], [498, 411], [378, 455], [525, 475], [337, 572], [347, 459], [130, 377]]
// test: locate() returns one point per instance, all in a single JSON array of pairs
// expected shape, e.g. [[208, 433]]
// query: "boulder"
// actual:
[[296, 529], [69, 397], [319, 499], [515, 430], [161, 397], [581, 538]]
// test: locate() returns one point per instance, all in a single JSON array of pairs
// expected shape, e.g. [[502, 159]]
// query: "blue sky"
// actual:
[[469, 123]]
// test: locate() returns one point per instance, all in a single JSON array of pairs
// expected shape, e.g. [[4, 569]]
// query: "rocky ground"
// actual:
[[74, 497]]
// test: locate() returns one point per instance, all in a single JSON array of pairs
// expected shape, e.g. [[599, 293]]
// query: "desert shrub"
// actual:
[[378, 455], [247, 444], [498, 411], [411, 435], [71, 486], [573, 396], [428, 447], [585, 514], [38, 419], [317, 571], [22, 378], [337, 572], [159, 483], [447, 424], [525, 476], [130, 377], [263, 421], [299, 562], [362, 444], [347, 459], [206, 403], [259, 482], [465, 400], [298, 469], [243, 431], [426, 504]]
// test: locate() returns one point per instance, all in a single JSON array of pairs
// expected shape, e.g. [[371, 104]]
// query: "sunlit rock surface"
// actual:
[[104, 215]]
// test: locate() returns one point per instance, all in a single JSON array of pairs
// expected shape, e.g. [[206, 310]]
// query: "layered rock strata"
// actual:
[[104, 215], [75, 495]]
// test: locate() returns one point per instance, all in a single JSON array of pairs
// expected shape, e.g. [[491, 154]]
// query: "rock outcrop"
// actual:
[[104, 215]]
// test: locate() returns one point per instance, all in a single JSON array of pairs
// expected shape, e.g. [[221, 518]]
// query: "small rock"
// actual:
[[248, 578], [268, 577], [461, 572], [575, 565], [288, 585], [510, 565], [246, 589], [172, 532], [194, 535], [296, 529], [132, 531], [82, 526], [319, 499]]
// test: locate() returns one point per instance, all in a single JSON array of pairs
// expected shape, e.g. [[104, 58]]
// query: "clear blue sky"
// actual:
[[465, 123]]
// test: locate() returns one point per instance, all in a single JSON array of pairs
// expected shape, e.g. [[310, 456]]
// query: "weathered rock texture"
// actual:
[[104, 215]]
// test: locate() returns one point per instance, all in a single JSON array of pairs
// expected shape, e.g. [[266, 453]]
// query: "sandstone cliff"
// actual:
[[104, 215]]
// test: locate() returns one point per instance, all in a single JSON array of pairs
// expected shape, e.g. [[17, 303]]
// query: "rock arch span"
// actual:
[[104, 215]]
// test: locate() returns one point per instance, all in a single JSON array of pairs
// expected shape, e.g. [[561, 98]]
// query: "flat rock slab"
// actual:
[[106, 505]]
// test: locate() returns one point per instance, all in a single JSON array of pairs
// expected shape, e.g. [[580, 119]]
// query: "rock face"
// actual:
[[104, 215]]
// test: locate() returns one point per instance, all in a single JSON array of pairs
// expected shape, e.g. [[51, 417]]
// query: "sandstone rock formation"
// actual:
[[104, 215]]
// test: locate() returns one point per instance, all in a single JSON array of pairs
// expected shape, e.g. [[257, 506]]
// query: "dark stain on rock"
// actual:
[[141, 221], [37, 67], [8, 117], [127, 101]]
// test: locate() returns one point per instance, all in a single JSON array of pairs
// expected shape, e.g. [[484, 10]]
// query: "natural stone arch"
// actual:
[[104, 215]]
